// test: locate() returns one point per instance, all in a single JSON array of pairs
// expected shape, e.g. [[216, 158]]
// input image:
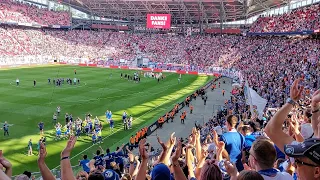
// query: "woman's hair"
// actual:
[[95, 176], [249, 175], [114, 165], [210, 171], [81, 175], [127, 176]]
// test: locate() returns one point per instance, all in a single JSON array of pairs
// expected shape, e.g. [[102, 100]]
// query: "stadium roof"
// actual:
[[188, 11]]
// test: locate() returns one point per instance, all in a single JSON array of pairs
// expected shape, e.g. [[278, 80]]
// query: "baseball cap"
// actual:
[[310, 149], [160, 172], [110, 175]]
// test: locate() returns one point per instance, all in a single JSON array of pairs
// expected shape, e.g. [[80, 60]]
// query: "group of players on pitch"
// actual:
[[57, 82], [88, 126]]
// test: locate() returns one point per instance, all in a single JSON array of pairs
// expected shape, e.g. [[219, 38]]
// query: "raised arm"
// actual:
[[66, 170], [144, 164], [198, 143], [190, 161], [172, 142], [131, 161], [44, 170], [6, 164], [274, 126], [294, 125], [120, 149], [201, 162], [315, 108], [3, 176], [177, 171], [135, 172], [163, 153]]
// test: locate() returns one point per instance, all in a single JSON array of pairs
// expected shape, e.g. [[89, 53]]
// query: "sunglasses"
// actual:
[[296, 161]]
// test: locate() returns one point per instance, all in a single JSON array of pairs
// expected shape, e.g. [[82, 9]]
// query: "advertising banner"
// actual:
[[162, 21]]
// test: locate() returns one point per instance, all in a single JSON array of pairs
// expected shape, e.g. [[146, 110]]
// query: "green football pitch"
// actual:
[[100, 89]]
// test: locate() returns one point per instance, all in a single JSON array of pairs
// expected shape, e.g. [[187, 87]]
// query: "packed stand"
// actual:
[[307, 18], [12, 11]]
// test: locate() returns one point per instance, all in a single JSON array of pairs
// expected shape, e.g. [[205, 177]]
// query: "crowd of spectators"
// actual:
[[198, 52], [13, 11], [301, 19]]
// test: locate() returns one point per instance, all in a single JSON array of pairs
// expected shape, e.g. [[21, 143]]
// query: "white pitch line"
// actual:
[[114, 132]]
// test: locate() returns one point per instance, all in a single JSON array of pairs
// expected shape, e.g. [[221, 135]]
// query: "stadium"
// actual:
[[168, 89]]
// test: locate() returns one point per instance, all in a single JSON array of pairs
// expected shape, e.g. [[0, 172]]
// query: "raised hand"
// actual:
[[142, 150], [215, 137], [231, 168], [164, 147], [296, 90], [131, 157], [294, 126], [70, 145], [315, 98], [177, 153], [221, 145], [42, 153], [4, 162], [172, 139]]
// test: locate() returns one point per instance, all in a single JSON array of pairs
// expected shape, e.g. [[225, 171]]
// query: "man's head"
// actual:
[[231, 122], [85, 156], [27, 173], [160, 172], [246, 130], [306, 158], [255, 126], [210, 171], [262, 154]]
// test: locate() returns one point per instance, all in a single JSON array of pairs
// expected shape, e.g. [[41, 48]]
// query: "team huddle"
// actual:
[[87, 126]]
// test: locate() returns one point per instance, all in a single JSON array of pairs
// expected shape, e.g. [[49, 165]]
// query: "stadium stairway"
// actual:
[[201, 114]]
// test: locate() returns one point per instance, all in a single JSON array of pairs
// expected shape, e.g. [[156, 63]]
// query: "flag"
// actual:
[[256, 102]]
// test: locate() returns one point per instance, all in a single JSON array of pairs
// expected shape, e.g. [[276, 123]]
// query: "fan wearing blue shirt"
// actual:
[[108, 158], [119, 158], [234, 142], [112, 156], [98, 159], [248, 140], [85, 164]]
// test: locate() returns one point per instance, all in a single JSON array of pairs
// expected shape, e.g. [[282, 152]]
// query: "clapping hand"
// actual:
[[296, 90], [42, 153], [70, 145], [177, 153], [142, 150]]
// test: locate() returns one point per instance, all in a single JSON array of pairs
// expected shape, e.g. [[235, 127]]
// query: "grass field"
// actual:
[[25, 106]]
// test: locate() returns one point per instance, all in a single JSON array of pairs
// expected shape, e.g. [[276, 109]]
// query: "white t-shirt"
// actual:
[[279, 176]]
